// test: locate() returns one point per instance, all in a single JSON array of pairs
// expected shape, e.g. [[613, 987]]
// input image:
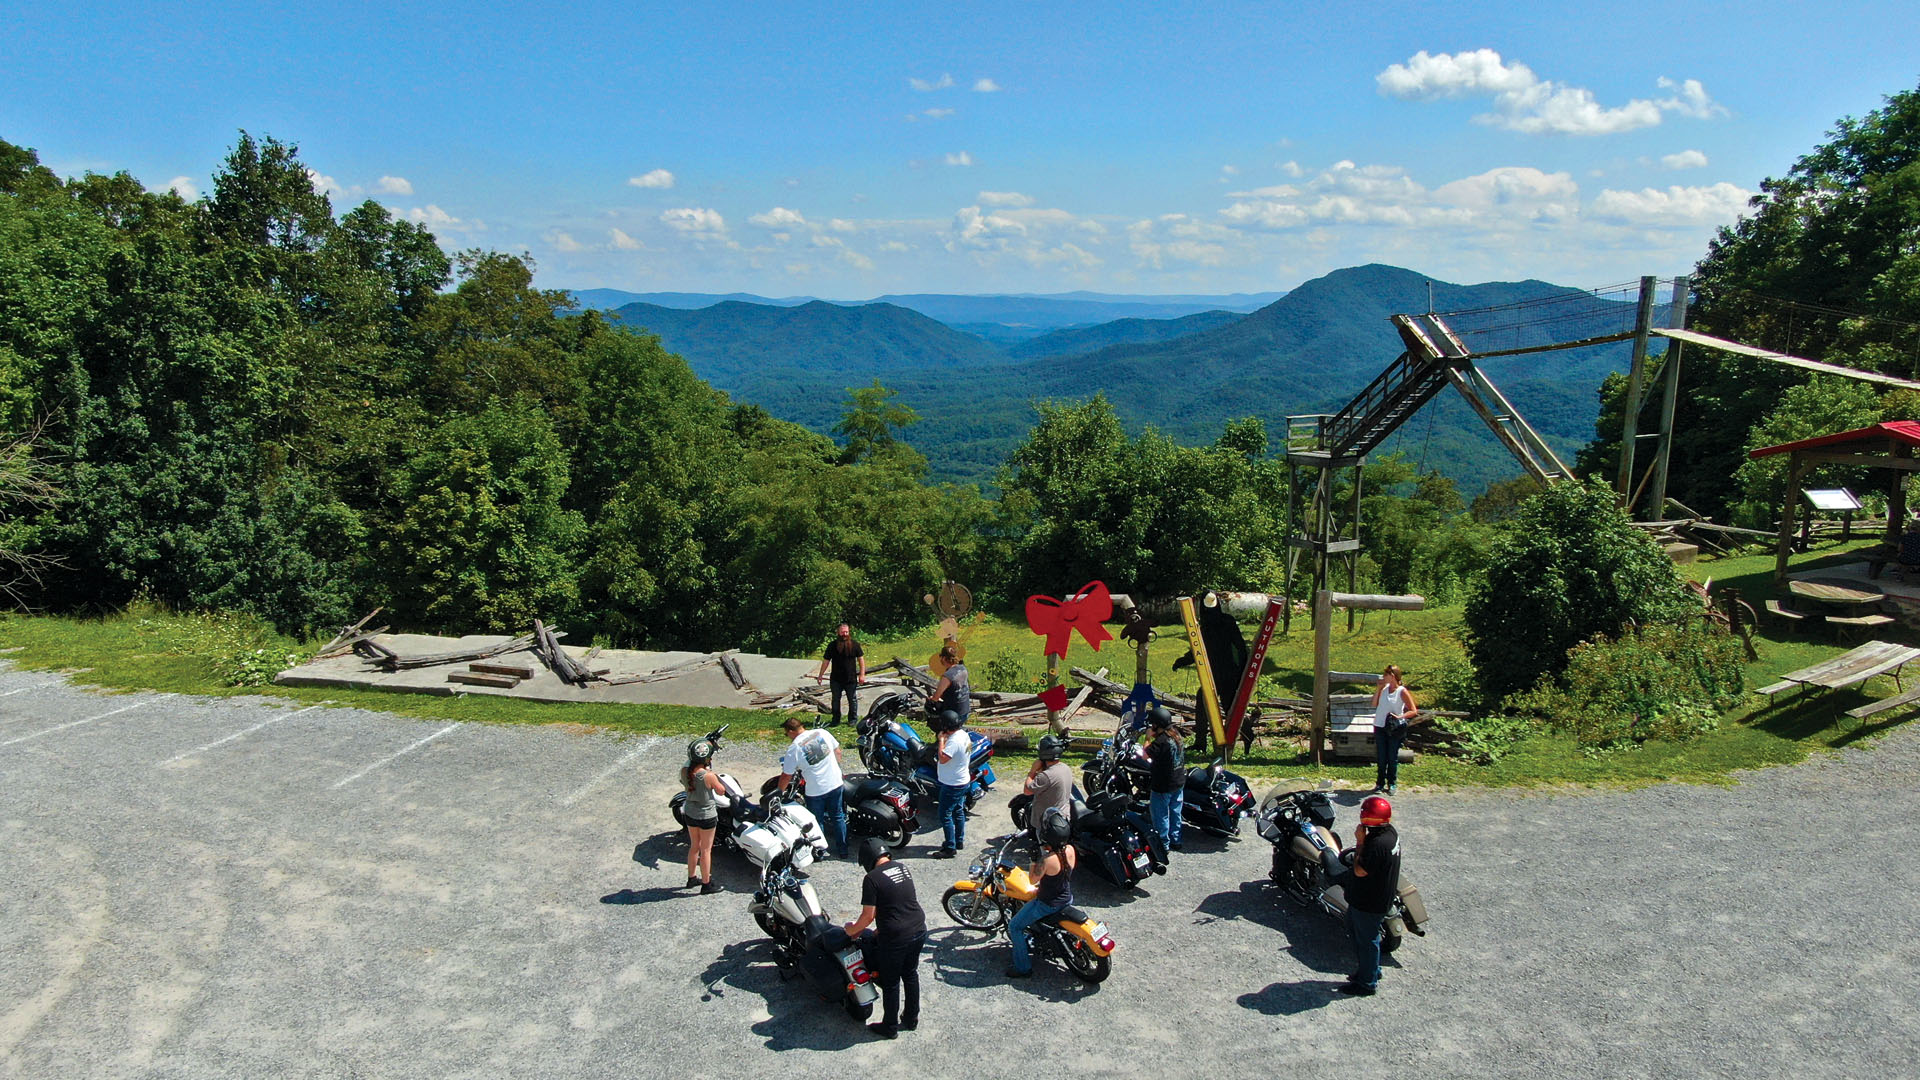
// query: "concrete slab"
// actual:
[[706, 686]]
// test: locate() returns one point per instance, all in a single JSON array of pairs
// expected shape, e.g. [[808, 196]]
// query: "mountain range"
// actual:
[[1305, 352]]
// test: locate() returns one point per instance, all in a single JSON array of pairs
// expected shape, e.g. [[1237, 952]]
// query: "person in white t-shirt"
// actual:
[[1393, 710], [815, 755], [955, 773]]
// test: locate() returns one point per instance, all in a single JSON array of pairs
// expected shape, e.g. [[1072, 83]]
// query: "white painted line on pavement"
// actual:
[[645, 745], [24, 689], [77, 723], [237, 734], [390, 757]]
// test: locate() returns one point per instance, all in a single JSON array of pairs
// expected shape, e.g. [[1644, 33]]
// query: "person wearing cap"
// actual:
[[702, 813], [889, 905], [1370, 885], [816, 753], [1050, 782], [1166, 778]]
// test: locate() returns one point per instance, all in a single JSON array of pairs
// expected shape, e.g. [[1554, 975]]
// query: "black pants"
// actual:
[[852, 690], [894, 964]]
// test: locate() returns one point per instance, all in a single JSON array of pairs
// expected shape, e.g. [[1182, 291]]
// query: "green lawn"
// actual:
[[148, 649]]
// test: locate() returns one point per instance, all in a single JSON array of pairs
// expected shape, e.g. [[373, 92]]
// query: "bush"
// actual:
[[1004, 671], [1665, 682]]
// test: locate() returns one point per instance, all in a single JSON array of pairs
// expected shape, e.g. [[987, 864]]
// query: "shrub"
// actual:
[[1664, 682]]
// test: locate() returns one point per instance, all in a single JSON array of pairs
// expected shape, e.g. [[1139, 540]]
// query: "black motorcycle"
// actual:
[[1216, 799], [1120, 765], [1108, 835], [1307, 856], [882, 806]]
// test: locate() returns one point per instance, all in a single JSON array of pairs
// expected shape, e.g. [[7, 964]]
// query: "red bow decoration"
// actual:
[[1054, 697], [1056, 620]]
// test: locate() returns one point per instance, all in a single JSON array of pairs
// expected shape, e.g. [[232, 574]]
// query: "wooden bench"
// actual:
[[1859, 622], [1769, 691], [1785, 614], [1884, 704], [1850, 668]]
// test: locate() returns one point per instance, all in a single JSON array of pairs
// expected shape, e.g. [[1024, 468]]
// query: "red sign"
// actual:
[[1255, 659]]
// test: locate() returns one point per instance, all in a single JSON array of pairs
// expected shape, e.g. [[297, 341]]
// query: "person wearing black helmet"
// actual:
[[889, 905], [1050, 782], [1370, 885], [1166, 778], [703, 814], [1054, 872], [954, 770]]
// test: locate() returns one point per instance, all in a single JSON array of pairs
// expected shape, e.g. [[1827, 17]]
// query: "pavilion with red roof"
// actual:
[[1889, 445]]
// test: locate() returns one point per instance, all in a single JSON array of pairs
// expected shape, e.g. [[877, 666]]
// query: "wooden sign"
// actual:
[[1209, 695], [1255, 659]]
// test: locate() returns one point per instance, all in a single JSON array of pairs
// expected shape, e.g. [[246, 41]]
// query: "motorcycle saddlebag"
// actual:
[[1416, 907], [1320, 809]]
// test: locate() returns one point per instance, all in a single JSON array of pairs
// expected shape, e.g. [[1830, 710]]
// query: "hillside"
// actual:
[[1073, 342], [732, 344]]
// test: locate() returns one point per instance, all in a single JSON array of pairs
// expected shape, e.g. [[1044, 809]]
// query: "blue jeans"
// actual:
[[831, 809], [1386, 755], [1030, 912], [1167, 806], [1364, 928], [953, 814]]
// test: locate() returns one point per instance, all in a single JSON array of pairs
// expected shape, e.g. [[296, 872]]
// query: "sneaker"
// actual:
[[883, 1031], [944, 852], [1357, 989], [1391, 788], [710, 888], [1176, 846], [909, 1025], [1016, 973], [693, 883]]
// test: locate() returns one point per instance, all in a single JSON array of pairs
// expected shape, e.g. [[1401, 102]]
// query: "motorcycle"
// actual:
[[994, 889], [1215, 799], [805, 940], [1110, 837], [882, 806], [736, 810], [889, 744], [1307, 856], [1120, 765]]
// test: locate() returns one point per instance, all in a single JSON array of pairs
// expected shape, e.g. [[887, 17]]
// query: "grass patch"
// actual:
[[146, 648]]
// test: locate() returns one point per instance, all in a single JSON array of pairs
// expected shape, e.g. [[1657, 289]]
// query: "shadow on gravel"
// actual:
[[1287, 999], [1313, 938], [646, 896], [669, 845], [971, 959], [797, 1017]]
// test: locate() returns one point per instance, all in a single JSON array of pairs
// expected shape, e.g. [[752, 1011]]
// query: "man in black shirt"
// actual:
[[849, 663], [888, 904], [1166, 778], [1370, 886]]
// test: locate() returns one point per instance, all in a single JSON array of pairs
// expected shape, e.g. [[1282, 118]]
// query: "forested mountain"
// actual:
[[731, 342], [1075, 341]]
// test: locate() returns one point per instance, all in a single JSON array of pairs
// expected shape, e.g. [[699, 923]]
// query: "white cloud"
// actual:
[[855, 259], [561, 241], [986, 86], [622, 242], [1718, 204], [925, 85], [439, 220], [1685, 159], [696, 221], [1003, 198], [1292, 168], [1514, 193], [779, 218], [1526, 103], [841, 225], [182, 186], [1230, 170], [933, 114], [393, 185], [961, 158], [821, 241], [324, 185], [653, 178], [1177, 238], [894, 246]]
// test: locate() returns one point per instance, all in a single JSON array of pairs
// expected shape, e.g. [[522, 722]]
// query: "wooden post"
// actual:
[[1322, 663], [1209, 697], [1670, 396], [1784, 547], [1897, 498], [1054, 722], [1353, 558], [1642, 328], [1293, 553]]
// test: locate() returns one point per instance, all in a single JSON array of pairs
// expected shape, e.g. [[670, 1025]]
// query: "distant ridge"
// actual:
[[731, 343]]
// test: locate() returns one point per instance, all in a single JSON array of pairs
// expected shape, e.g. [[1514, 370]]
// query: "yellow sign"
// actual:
[[1209, 696]]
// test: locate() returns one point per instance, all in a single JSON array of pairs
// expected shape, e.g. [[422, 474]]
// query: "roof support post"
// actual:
[[1784, 546], [1897, 496], [1629, 424], [1669, 396]]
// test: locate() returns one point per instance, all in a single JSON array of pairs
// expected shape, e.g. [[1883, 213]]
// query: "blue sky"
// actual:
[[855, 149]]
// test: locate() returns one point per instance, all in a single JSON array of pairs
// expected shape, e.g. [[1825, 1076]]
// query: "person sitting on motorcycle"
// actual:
[[703, 815], [952, 692], [892, 948], [1054, 887], [1050, 782], [954, 770], [1370, 884], [1166, 778]]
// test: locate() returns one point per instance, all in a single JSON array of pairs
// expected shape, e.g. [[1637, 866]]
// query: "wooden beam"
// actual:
[[1366, 602], [1642, 324], [1696, 338], [1870, 461], [1606, 339], [1322, 661]]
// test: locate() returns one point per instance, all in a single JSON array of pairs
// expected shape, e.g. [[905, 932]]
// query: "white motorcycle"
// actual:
[[805, 940]]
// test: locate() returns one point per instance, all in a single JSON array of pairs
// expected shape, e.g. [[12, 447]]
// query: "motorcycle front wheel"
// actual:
[[1084, 963], [973, 909], [856, 1009]]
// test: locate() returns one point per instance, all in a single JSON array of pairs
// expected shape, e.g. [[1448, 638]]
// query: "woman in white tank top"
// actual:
[[1393, 708]]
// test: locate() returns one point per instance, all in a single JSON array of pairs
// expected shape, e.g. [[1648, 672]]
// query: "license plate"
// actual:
[[1141, 861], [1099, 931]]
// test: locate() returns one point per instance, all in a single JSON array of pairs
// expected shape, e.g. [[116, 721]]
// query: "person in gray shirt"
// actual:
[[1050, 782]]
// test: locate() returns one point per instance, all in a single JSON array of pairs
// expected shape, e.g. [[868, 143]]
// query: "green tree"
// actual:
[[1820, 407], [869, 425]]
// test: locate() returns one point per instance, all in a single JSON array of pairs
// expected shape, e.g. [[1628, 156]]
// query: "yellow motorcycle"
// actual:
[[996, 887]]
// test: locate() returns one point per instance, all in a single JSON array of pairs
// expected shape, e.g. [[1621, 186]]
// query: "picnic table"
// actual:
[[1842, 594], [1850, 668]]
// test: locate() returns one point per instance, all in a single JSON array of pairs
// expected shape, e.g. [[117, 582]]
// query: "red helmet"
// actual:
[[1376, 810]]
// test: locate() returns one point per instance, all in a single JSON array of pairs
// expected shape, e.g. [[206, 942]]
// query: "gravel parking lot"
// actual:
[[201, 888]]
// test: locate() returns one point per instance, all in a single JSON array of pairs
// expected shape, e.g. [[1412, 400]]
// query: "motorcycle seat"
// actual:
[[1071, 913]]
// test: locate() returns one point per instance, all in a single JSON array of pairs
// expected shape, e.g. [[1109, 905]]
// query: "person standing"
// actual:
[[702, 813], [1393, 710], [1054, 890], [892, 947], [1166, 778], [953, 692], [815, 753], [1370, 885], [848, 664], [1050, 782], [955, 773]]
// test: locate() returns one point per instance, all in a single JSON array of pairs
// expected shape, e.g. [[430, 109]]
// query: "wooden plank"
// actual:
[[1370, 602], [1696, 338], [734, 675], [518, 671], [1884, 704], [353, 631], [482, 678], [1776, 688]]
